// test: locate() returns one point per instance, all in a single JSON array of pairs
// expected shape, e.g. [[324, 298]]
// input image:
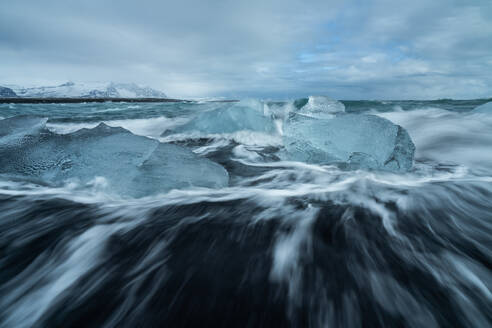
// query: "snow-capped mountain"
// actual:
[[89, 90], [7, 92]]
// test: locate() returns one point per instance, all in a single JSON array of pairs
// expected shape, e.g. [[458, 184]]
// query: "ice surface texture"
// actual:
[[244, 115], [19, 129], [318, 107], [485, 108], [132, 165], [361, 141]]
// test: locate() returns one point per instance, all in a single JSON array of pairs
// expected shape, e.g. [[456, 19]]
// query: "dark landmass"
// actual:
[[5, 100]]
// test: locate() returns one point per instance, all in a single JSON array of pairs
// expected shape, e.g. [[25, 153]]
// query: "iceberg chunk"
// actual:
[[18, 129], [179, 167], [318, 107], [361, 141], [485, 108], [132, 165], [244, 115]]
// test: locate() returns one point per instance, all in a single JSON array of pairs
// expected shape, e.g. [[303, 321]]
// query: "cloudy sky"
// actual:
[[364, 49]]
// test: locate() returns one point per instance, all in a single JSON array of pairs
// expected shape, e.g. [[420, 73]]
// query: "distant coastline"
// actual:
[[66, 100]]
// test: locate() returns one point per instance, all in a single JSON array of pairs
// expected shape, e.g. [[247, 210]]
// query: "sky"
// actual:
[[364, 49]]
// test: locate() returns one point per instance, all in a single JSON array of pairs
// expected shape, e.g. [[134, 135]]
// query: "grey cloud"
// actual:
[[347, 49]]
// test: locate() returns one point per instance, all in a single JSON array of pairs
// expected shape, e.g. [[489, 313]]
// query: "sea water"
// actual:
[[199, 214]]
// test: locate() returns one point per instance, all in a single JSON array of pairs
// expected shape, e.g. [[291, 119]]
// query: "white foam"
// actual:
[[242, 151], [214, 146], [245, 137], [448, 137], [52, 279], [287, 253]]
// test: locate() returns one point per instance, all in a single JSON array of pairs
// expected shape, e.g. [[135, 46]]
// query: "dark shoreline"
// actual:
[[93, 100]]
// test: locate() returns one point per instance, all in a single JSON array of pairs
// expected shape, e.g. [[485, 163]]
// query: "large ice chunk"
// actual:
[[19, 129], [362, 141], [132, 165], [244, 115], [485, 108], [172, 165], [318, 107]]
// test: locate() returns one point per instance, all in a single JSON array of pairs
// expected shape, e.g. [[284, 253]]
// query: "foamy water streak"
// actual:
[[446, 137]]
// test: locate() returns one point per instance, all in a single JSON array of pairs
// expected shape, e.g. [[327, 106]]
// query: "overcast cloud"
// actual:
[[379, 49]]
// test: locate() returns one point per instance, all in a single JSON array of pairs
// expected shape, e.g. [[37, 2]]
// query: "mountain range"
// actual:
[[82, 90]]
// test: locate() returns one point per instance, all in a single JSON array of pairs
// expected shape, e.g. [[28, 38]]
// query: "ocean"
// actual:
[[222, 229]]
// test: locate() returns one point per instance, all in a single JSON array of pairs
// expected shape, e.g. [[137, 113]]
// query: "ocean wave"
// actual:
[[297, 229], [448, 137], [117, 109]]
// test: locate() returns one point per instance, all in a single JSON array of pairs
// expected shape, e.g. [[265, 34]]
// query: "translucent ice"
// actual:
[[318, 106], [15, 130], [485, 108], [362, 141], [132, 165], [244, 115], [186, 168]]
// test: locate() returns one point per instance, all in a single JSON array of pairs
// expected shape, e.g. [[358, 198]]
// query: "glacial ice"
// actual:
[[18, 129], [244, 115], [187, 170], [485, 108], [361, 141], [318, 107], [132, 165]]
